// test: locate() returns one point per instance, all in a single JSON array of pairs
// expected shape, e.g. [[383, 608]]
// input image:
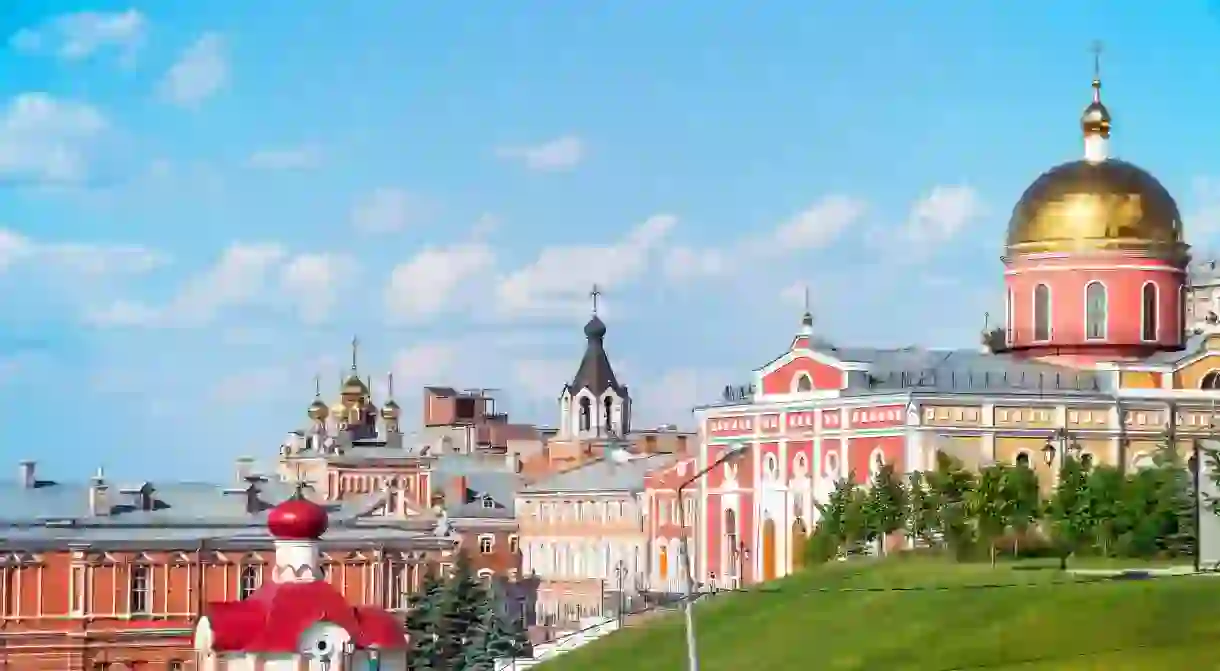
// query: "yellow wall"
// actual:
[[1140, 380], [1190, 376], [1026, 417], [952, 415]]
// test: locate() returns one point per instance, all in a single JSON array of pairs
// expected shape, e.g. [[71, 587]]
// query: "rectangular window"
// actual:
[[398, 587], [140, 597], [513, 546], [486, 544], [78, 590]]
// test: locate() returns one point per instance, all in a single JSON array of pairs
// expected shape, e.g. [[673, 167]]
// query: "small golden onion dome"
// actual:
[[338, 410], [1091, 206], [318, 409], [390, 410], [355, 386], [1096, 118]]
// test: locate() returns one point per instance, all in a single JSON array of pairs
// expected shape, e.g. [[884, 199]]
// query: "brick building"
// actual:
[[100, 575]]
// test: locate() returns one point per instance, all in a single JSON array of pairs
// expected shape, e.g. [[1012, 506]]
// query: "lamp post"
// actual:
[[692, 648], [741, 555], [620, 574], [1068, 447]]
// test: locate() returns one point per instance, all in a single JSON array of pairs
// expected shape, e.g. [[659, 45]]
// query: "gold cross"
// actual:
[[594, 294]]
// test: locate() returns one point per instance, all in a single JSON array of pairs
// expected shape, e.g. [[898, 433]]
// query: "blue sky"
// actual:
[[199, 206]]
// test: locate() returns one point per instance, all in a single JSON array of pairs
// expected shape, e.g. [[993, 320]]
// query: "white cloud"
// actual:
[[46, 140], [563, 153], [201, 71], [431, 281], [820, 224], [386, 210], [669, 398], [558, 281], [542, 379], [424, 364], [261, 274], [240, 277], [312, 282], [287, 158], [82, 259], [686, 263], [942, 214], [79, 35]]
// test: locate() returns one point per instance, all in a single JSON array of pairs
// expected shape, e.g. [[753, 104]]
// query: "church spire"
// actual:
[[1095, 121]]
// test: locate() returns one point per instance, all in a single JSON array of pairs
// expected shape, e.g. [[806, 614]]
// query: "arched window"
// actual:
[[1023, 459], [663, 563], [586, 413], [1211, 380], [1042, 312], [248, 582], [608, 406], [1149, 312], [804, 383], [1095, 311]]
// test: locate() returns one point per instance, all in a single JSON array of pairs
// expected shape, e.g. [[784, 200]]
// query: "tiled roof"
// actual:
[[482, 479], [604, 475]]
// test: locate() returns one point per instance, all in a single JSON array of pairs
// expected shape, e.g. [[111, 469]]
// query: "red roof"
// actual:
[[274, 617]]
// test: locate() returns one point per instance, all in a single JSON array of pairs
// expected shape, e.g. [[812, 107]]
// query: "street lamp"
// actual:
[[741, 555], [1066, 449], [620, 573], [692, 648]]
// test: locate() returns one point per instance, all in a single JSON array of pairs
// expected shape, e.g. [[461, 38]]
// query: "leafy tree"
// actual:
[[923, 513], [1024, 500], [1177, 499], [1105, 494], [949, 485], [843, 522], [989, 506], [1068, 510], [885, 506]]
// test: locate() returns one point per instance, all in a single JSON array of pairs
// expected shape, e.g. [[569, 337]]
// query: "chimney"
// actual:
[[254, 502], [455, 492], [245, 468], [99, 503], [26, 474]]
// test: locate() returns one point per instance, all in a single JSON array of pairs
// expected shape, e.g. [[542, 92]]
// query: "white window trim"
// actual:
[[1204, 378], [1009, 318], [1156, 309], [796, 384], [1105, 312], [1050, 313], [131, 589], [241, 579], [831, 467], [491, 543]]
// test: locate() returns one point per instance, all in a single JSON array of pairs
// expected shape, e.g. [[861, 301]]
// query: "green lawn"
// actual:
[[1046, 621]]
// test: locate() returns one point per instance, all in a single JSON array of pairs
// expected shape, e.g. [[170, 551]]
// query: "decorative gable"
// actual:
[[803, 372]]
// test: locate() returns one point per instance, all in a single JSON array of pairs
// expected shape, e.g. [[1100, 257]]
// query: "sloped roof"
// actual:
[[604, 474]]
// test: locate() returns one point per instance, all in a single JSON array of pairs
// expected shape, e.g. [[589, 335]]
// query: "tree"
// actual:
[[843, 526], [989, 506], [1105, 493], [923, 514], [1177, 496], [1068, 510], [1024, 501], [496, 636], [425, 626], [949, 485], [885, 506], [462, 604]]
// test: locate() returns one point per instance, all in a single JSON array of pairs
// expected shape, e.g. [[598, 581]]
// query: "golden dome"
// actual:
[[1085, 205], [355, 386], [390, 410], [318, 409], [338, 410]]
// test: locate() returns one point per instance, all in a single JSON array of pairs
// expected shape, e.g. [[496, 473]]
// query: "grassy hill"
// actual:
[[1039, 620]]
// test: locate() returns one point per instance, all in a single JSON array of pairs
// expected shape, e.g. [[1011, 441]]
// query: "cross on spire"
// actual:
[[594, 294], [807, 309], [1096, 48], [317, 386], [355, 350], [389, 384], [300, 484]]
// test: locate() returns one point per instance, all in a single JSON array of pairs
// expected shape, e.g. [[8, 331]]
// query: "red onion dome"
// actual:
[[297, 519]]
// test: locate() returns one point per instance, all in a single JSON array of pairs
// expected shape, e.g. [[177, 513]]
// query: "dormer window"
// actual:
[[804, 383], [488, 503]]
